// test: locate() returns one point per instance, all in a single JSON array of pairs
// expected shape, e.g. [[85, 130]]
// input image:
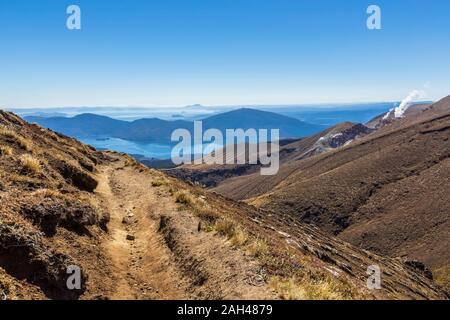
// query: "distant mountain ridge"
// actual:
[[156, 130]]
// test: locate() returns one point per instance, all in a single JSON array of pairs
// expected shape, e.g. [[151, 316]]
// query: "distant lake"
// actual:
[[149, 150], [327, 115]]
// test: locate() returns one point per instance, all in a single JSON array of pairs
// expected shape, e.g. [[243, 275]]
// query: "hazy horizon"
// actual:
[[213, 106]]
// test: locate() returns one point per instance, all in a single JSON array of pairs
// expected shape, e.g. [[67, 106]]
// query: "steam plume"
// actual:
[[400, 110], [406, 103]]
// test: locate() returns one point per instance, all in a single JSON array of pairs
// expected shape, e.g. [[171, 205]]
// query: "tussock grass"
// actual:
[[48, 193], [235, 233], [130, 161], [52, 135], [25, 144], [172, 191], [309, 289], [6, 151], [258, 247], [20, 178], [225, 227], [21, 141], [30, 165], [8, 133], [442, 277], [159, 182], [239, 238], [184, 198]]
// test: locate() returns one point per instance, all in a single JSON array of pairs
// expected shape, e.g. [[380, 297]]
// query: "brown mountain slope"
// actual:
[[387, 193], [244, 181], [139, 234], [211, 247], [248, 183]]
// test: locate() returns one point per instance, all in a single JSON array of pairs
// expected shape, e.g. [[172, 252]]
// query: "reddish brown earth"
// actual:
[[388, 192], [138, 234], [226, 178]]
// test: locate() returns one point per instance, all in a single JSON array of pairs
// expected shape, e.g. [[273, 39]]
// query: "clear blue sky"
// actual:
[[217, 52]]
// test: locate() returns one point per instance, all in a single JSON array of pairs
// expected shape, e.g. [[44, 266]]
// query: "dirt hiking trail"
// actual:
[[157, 251]]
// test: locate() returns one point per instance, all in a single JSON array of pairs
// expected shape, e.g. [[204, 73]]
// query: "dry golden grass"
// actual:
[[159, 182], [25, 144], [6, 132], [48, 193], [20, 178], [258, 247], [239, 237], [172, 191], [30, 165], [21, 141], [309, 289], [6, 151], [442, 277], [184, 198], [229, 228], [130, 161], [234, 232], [225, 227], [52, 135]]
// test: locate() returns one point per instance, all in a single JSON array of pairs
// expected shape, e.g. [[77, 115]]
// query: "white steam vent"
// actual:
[[400, 110]]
